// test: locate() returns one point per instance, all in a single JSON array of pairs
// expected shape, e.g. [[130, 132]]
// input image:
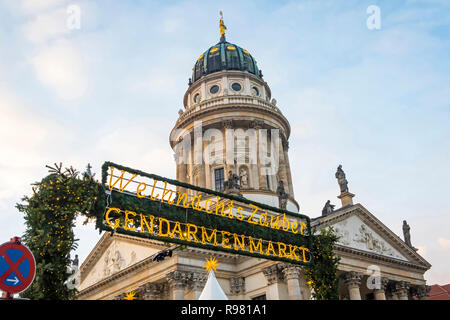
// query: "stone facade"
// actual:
[[364, 273], [375, 263]]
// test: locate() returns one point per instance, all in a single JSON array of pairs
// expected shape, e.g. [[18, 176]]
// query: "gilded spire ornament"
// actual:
[[222, 28]]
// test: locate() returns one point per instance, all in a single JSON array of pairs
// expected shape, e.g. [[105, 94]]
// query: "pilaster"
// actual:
[[274, 277], [237, 287], [197, 283], [151, 291], [177, 282]]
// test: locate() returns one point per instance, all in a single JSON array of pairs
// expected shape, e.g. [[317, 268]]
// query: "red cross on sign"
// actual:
[[17, 267]]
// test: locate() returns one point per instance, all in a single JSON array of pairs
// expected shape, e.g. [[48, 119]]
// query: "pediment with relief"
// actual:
[[354, 233], [115, 256]]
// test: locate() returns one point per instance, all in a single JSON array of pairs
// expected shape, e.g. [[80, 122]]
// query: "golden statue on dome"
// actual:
[[222, 27]]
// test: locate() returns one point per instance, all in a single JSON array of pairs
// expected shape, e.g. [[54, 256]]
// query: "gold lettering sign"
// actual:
[[278, 222], [200, 235], [172, 207]]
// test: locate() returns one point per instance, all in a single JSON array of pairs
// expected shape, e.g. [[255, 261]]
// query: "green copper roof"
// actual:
[[224, 56]]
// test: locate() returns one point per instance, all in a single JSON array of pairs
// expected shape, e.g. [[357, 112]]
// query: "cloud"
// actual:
[[27, 140], [46, 26], [422, 250], [33, 5], [142, 144], [444, 243], [60, 67]]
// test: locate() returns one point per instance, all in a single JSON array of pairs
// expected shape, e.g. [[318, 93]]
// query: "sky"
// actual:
[[372, 95]]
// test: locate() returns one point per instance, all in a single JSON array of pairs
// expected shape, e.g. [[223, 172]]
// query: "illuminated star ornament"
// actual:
[[211, 264], [130, 296], [212, 289]]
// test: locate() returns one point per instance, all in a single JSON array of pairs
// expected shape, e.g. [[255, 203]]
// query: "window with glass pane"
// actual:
[[219, 179]]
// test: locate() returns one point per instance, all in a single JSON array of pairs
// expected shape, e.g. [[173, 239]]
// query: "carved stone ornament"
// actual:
[[256, 124], [423, 291], [237, 285], [118, 261], [402, 286], [282, 195], [291, 272], [366, 237], [178, 279], [227, 124], [273, 273], [198, 280], [243, 175], [352, 278]]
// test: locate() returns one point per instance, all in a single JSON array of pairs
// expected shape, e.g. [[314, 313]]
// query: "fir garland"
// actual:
[[211, 221], [49, 218], [322, 272]]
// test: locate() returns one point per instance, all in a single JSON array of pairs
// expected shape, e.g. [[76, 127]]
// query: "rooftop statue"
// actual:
[[222, 27], [406, 233], [340, 176], [328, 208]]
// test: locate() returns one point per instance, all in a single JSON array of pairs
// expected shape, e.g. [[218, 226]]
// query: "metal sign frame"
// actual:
[[188, 216]]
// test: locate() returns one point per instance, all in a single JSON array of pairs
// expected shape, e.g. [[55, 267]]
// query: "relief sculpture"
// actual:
[[366, 237]]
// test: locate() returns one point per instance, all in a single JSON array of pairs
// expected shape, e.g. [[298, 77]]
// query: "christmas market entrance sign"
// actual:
[[150, 206]]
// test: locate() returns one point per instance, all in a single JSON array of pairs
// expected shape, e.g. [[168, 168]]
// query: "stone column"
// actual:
[[401, 288], [227, 125], [291, 274], [207, 167], [181, 164], [282, 172], [274, 277], [257, 125], [254, 181], [423, 292], [178, 281], [237, 287], [199, 163], [197, 283], [352, 280], [151, 291], [288, 167], [380, 293]]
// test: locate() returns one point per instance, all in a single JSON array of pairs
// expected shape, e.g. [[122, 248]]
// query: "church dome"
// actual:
[[224, 56]]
